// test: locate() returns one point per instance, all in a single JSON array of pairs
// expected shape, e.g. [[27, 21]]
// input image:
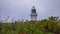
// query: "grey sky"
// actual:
[[20, 9]]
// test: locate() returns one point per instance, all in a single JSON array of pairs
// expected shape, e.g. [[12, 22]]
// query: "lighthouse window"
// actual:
[[34, 11]]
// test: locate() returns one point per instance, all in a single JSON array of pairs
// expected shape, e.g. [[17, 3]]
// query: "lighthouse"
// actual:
[[33, 14]]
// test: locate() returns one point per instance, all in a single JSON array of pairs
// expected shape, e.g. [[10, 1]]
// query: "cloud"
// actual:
[[20, 9]]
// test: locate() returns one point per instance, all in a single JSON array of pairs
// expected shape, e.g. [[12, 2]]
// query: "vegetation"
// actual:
[[45, 26]]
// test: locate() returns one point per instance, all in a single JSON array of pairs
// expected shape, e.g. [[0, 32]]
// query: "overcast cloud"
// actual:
[[20, 9]]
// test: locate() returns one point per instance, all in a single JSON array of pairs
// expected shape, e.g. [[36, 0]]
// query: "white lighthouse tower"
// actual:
[[33, 14]]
